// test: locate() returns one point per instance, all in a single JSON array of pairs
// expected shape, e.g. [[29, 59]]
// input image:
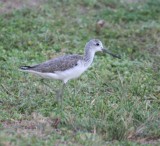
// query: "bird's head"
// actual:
[[96, 45]]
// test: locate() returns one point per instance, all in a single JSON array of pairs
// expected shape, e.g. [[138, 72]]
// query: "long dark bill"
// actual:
[[110, 53]]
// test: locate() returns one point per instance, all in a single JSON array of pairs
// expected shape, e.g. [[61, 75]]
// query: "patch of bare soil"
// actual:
[[141, 134], [139, 137], [42, 127], [7, 6], [146, 140], [38, 126]]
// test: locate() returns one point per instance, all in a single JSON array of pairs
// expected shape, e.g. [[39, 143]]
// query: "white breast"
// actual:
[[72, 73]]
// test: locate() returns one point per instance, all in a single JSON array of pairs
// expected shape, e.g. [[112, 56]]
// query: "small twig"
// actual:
[[7, 91]]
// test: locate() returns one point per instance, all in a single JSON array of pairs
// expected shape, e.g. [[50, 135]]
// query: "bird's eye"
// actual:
[[97, 44]]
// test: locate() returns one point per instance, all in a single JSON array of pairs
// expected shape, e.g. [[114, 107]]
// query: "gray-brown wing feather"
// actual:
[[58, 64]]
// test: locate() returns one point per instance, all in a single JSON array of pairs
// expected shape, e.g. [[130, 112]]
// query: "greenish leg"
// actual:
[[60, 93], [42, 80]]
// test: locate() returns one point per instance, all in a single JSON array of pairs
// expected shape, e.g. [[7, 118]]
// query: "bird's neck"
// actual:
[[88, 56]]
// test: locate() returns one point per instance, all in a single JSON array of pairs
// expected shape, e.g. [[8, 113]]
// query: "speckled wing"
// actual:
[[58, 64]]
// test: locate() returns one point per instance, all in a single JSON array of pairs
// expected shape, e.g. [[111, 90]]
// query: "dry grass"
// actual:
[[7, 6], [37, 125]]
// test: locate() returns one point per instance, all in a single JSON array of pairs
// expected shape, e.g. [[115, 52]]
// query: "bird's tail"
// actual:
[[25, 68]]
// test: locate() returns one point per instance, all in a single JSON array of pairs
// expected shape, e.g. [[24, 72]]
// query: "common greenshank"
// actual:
[[68, 67]]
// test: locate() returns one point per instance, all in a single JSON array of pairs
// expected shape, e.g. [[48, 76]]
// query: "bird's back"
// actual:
[[57, 64]]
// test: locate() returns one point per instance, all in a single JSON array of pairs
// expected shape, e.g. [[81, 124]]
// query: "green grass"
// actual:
[[116, 102]]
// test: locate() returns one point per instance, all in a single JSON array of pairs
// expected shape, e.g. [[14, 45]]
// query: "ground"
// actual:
[[116, 102]]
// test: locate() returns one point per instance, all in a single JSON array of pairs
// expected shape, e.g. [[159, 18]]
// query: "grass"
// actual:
[[116, 102]]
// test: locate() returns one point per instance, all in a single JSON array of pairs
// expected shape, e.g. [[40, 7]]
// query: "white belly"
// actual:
[[71, 73]]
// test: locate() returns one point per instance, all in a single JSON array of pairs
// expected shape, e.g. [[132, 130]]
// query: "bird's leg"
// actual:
[[60, 93], [42, 80]]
